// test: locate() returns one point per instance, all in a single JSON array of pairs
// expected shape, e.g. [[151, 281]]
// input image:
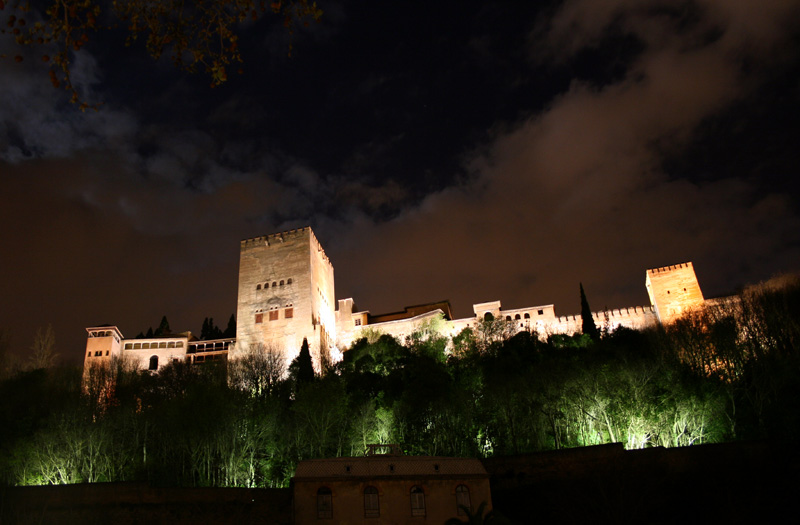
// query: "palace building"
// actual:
[[286, 294]]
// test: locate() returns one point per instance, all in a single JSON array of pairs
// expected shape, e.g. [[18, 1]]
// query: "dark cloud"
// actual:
[[508, 153]]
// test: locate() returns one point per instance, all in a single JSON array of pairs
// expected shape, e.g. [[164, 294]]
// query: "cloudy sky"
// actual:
[[462, 150]]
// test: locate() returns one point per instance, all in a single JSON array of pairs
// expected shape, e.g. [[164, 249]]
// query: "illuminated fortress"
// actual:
[[286, 294]]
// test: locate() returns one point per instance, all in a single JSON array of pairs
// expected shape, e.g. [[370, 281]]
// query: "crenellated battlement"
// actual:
[[268, 240], [611, 314], [285, 236], [670, 268]]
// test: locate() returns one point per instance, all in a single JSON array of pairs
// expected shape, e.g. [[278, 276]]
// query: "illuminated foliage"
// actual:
[[728, 372]]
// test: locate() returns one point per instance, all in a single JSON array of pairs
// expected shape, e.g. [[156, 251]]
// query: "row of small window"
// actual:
[[146, 346], [274, 284], [288, 313], [526, 316], [372, 504], [97, 353]]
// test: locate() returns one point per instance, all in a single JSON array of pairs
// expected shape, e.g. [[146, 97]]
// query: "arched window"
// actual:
[[417, 501], [488, 316], [372, 508], [281, 282], [462, 500], [153, 363], [289, 281], [508, 318], [527, 315], [274, 284], [517, 317], [324, 503], [258, 287]]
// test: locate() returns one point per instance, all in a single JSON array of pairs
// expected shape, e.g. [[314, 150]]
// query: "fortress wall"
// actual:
[[634, 317], [323, 303]]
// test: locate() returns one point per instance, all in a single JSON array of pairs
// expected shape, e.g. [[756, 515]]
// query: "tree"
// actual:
[[302, 368], [587, 321], [163, 328], [196, 35], [43, 349], [212, 331], [258, 369], [230, 330]]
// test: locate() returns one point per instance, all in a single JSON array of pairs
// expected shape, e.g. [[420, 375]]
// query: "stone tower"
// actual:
[[673, 291], [286, 294]]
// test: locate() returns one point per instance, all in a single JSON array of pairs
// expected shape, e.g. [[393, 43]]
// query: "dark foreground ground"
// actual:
[[731, 483]]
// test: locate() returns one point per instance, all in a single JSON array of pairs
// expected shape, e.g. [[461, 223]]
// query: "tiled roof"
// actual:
[[391, 466]]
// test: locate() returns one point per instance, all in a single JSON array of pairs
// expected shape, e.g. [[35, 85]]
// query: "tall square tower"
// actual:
[[673, 291], [286, 293]]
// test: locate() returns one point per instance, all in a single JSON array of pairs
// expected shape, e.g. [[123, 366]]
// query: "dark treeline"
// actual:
[[728, 372]]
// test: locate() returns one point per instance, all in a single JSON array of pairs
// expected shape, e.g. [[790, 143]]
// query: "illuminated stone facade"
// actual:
[[286, 294], [673, 291]]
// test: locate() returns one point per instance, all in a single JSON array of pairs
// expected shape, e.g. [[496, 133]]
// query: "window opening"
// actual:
[[372, 507], [462, 500], [153, 363], [417, 501], [324, 503]]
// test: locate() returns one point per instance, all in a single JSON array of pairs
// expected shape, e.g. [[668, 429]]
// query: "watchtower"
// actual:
[[286, 293], [673, 290]]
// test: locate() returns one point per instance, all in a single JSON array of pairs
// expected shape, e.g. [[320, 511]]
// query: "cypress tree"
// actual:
[[302, 368], [230, 331], [163, 327], [587, 321]]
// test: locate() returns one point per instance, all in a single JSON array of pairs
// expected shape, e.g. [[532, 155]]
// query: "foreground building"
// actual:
[[399, 489], [286, 294]]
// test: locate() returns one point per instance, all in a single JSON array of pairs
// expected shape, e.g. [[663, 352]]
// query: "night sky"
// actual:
[[455, 150]]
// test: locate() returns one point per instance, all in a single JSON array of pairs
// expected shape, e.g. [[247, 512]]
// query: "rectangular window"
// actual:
[[372, 507], [324, 503], [417, 501], [288, 313], [273, 315], [128, 346], [358, 322], [259, 318], [541, 312]]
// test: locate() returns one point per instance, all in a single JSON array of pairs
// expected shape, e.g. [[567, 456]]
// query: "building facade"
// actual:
[[389, 488], [286, 294]]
